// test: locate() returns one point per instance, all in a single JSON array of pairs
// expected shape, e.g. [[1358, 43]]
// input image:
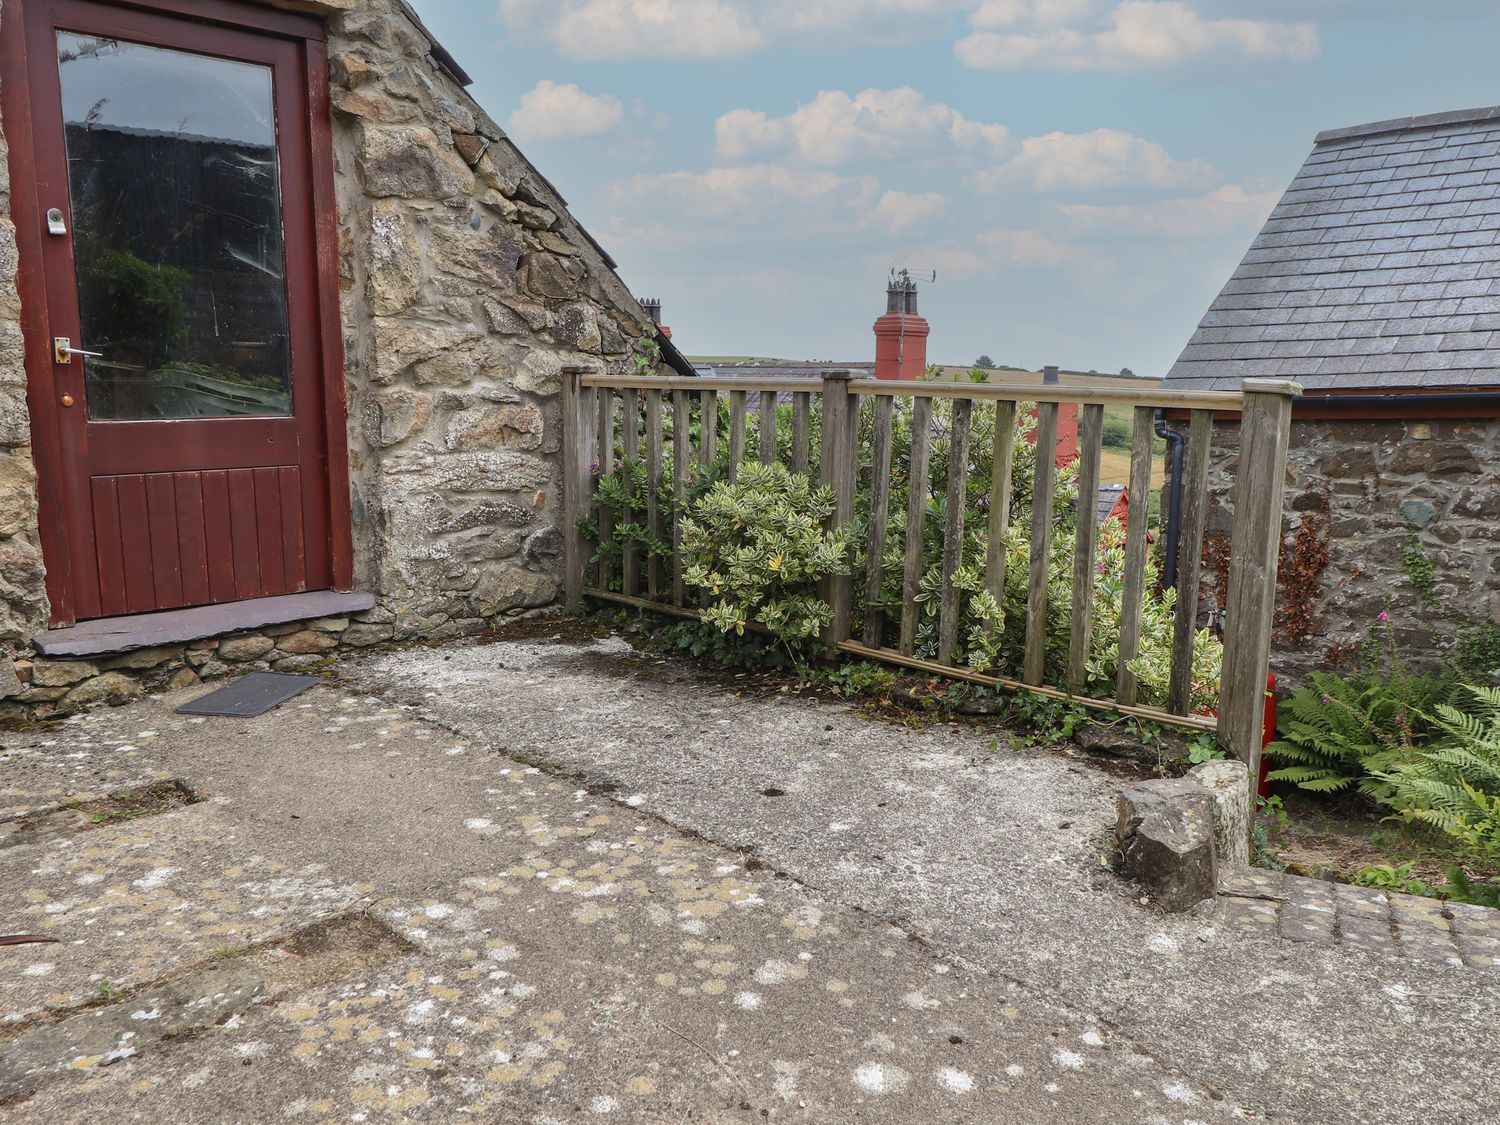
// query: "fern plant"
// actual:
[[1454, 784], [1342, 732]]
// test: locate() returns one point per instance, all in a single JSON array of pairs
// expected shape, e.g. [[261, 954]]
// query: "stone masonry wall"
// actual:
[[467, 291], [1357, 493]]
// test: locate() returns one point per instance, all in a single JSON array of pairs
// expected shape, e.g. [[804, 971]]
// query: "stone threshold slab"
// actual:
[[110, 635]]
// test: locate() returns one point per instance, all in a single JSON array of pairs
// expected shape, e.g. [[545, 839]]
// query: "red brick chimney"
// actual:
[[901, 335], [1067, 423]]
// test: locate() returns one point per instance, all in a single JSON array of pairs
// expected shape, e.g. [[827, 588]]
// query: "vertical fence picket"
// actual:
[[880, 496], [1003, 455], [916, 519], [953, 532], [1133, 595], [737, 408], [630, 451], [605, 447], [836, 459], [1189, 559], [681, 424], [801, 428], [708, 430], [1042, 490], [653, 490], [1085, 545], [768, 427]]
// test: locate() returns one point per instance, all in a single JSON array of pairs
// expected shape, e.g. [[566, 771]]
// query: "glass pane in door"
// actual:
[[177, 238]]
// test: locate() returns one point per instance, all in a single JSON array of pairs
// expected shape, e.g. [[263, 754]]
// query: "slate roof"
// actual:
[[1379, 269]]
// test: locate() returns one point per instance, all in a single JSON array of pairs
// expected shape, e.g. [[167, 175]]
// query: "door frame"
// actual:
[[309, 35]]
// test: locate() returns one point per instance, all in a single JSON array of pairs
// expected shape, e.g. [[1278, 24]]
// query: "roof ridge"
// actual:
[[1408, 124]]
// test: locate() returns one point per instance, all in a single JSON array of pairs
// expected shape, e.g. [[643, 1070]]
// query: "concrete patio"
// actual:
[[542, 881]]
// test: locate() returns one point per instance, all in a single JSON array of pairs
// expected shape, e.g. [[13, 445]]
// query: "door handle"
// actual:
[[63, 350]]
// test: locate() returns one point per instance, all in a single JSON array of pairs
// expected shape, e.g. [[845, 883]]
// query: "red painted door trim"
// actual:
[[294, 45]]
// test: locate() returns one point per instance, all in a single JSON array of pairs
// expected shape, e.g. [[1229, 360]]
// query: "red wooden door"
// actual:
[[174, 184]]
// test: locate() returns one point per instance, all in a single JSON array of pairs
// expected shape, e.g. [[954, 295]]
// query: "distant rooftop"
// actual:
[[1379, 268]]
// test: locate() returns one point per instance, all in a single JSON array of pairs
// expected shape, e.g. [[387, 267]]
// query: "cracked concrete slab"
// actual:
[[997, 857], [571, 957]]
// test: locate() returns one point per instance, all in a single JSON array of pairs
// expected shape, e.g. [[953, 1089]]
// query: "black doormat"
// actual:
[[250, 695]]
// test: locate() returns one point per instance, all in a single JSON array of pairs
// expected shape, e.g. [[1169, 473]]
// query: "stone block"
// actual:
[[111, 687], [10, 682], [399, 413], [184, 677], [1229, 783], [60, 673], [495, 427], [407, 161], [306, 642], [329, 624], [547, 277], [1165, 832], [245, 648], [18, 502], [395, 258], [306, 662], [503, 587], [361, 635]]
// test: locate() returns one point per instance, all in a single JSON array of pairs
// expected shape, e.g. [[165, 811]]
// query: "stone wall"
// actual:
[[467, 291], [1358, 493]]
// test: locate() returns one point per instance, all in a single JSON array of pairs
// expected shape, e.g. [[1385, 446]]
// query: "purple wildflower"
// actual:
[[1384, 616], [1327, 698]]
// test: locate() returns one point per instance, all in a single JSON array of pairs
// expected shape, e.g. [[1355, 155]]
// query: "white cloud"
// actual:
[[1131, 35], [749, 196], [549, 111], [598, 30], [1025, 249], [1092, 161], [835, 128], [993, 253], [898, 211], [1201, 216]]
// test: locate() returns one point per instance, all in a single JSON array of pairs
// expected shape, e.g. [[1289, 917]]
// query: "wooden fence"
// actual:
[[610, 416]]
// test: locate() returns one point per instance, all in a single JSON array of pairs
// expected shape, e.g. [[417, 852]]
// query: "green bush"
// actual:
[[1116, 432], [759, 548]]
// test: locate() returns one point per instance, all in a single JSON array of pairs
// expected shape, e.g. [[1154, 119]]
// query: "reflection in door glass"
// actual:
[[177, 239]]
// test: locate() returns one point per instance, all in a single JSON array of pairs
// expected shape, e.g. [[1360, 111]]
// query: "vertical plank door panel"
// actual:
[[135, 539], [166, 555], [108, 543], [245, 533], [268, 530], [192, 541], [293, 546], [218, 535]]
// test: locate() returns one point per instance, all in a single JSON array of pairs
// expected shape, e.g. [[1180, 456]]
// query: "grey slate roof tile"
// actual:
[[1379, 267]]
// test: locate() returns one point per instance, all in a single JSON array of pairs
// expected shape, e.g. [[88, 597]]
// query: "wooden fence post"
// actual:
[[1265, 433], [577, 425], [836, 464]]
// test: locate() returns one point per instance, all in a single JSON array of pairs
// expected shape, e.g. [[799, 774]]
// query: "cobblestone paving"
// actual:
[[1266, 903]]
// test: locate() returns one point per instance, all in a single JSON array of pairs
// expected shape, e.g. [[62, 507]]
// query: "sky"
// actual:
[[1083, 175]]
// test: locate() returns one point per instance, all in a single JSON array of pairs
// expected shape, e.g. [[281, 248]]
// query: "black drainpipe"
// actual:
[[1175, 444]]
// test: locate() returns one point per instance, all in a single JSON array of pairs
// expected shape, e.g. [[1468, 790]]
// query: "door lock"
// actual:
[[63, 350], [55, 224]]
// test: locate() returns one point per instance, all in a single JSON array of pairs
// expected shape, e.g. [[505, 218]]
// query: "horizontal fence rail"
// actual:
[[906, 607]]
